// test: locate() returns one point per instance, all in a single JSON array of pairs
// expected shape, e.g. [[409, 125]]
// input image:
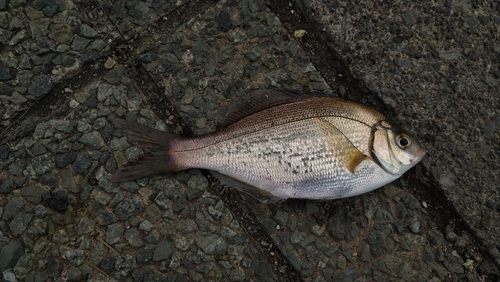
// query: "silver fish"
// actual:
[[282, 145]]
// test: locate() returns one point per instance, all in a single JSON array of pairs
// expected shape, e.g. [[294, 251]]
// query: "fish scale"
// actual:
[[284, 174], [292, 147]]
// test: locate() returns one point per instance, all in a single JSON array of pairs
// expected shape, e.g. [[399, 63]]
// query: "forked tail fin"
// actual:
[[156, 146]]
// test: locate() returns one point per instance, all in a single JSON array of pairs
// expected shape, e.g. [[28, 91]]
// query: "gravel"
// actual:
[[62, 219]]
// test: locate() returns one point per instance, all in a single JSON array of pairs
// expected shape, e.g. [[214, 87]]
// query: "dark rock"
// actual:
[[92, 140], [338, 224], [91, 56], [41, 211], [239, 239], [51, 10], [12, 207], [6, 73], [59, 200], [38, 149], [376, 240], [114, 75], [146, 254], [253, 54], [40, 85], [108, 264], [133, 237], [32, 193], [211, 244], [7, 186], [129, 207], [414, 226], [82, 162], [382, 216], [173, 191], [152, 237], [347, 275], [251, 69], [65, 159], [224, 20], [87, 31], [130, 186], [62, 33], [49, 179], [408, 18], [105, 218], [86, 225], [449, 228], [262, 269], [10, 254], [4, 150], [39, 4], [20, 222], [163, 250], [114, 232], [3, 6], [74, 274], [147, 57], [412, 241], [68, 181], [75, 257], [435, 237], [451, 237]]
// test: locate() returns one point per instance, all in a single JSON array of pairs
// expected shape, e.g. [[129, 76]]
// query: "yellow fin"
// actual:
[[355, 158], [340, 146]]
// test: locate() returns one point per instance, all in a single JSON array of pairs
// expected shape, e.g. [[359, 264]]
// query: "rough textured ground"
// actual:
[[67, 67]]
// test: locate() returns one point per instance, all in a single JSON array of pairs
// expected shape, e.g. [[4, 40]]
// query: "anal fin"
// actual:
[[259, 194]]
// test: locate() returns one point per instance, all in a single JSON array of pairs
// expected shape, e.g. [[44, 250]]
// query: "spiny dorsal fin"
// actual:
[[262, 99]]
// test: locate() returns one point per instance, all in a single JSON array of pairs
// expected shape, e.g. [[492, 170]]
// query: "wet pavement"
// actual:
[[67, 68]]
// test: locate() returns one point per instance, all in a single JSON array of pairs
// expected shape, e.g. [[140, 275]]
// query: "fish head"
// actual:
[[394, 149]]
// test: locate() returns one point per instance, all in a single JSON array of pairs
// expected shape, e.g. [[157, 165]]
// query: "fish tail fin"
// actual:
[[156, 146]]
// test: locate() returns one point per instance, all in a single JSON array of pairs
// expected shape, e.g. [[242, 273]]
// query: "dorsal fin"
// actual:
[[262, 99]]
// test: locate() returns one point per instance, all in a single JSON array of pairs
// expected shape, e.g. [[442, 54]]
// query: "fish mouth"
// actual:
[[420, 153]]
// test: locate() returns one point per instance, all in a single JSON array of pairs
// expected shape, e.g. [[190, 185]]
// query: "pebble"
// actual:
[[40, 86], [414, 226], [451, 237], [108, 264], [114, 232], [133, 237], [12, 207], [92, 140], [211, 244], [10, 254], [20, 222], [59, 200], [376, 240], [129, 207], [163, 250]]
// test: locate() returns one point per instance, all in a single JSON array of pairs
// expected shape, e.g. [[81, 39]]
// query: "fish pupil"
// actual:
[[404, 141]]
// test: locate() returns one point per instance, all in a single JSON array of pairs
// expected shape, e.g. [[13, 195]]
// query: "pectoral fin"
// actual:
[[340, 146]]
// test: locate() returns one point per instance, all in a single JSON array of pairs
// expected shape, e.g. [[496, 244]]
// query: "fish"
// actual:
[[284, 144]]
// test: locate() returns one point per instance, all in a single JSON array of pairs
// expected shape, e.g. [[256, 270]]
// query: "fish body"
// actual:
[[296, 147]]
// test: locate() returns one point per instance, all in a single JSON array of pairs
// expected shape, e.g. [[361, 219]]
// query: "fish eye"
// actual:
[[403, 141]]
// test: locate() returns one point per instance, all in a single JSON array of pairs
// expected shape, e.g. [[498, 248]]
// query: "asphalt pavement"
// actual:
[[68, 67]]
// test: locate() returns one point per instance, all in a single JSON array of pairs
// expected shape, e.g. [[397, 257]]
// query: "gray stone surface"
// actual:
[[182, 71], [429, 65]]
